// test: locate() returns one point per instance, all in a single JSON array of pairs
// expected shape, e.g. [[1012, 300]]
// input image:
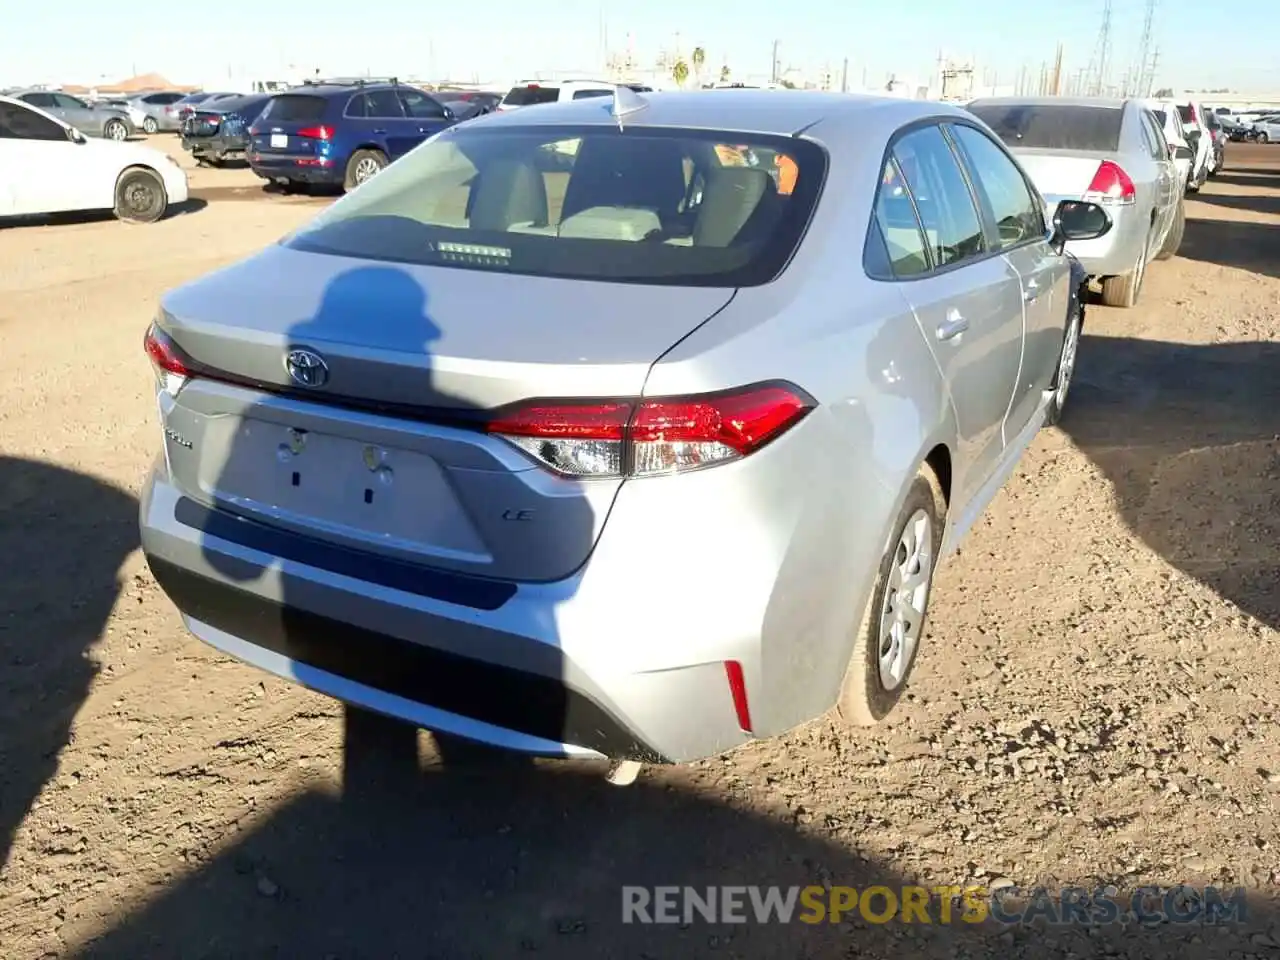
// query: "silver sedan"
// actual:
[[1111, 152], [95, 120], [640, 457]]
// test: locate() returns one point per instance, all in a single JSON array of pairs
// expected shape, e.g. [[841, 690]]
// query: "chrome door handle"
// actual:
[[953, 326], [379, 130], [1030, 291]]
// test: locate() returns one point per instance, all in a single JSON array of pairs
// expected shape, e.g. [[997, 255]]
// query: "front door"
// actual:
[[43, 168], [968, 303], [426, 115], [1016, 226], [386, 121]]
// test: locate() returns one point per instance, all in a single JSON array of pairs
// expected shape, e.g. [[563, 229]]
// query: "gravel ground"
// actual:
[[1097, 703]]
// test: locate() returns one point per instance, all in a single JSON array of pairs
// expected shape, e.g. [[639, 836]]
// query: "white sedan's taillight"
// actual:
[[648, 437]]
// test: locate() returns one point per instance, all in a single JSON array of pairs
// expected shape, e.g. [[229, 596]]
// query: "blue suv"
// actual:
[[341, 132]]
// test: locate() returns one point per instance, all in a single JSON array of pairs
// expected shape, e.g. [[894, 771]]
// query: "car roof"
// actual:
[[337, 89], [760, 111], [1111, 103]]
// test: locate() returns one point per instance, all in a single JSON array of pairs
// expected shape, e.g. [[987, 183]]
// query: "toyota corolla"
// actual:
[[630, 427]]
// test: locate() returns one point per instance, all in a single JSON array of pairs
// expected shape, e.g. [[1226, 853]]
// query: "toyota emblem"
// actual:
[[306, 367]]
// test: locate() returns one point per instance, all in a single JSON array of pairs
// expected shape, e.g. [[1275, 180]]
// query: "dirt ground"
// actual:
[[1098, 701]]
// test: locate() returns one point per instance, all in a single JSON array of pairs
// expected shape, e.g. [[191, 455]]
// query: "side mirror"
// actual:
[[1183, 153], [75, 136], [1078, 220]]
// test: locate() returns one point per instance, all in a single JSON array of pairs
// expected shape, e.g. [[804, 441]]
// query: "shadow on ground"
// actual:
[[1255, 203], [193, 204], [456, 865], [1234, 243], [63, 537], [1187, 434]]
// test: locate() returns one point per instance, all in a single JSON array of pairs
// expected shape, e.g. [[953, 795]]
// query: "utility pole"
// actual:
[[1144, 49], [1150, 79], [1098, 63], [844, 76], [773, 64]]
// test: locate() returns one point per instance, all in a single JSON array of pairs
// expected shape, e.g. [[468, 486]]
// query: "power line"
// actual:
[[1098, 63], [1142, 83]]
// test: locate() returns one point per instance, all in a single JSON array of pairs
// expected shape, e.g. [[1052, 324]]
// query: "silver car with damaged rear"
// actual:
[[1111, 152], [577, 433]]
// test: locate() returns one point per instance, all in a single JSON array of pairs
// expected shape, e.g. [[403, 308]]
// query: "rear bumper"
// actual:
[[626, 658], [1116, 253], [487, 660], [301, 169], [219, 146]]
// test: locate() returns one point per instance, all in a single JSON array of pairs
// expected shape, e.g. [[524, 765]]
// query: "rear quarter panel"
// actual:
[[830, 503]]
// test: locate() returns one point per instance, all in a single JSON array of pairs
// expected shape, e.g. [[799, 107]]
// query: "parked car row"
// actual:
[[1135, 158]]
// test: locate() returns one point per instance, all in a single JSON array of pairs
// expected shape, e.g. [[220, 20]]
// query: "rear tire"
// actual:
[[364, 165], [115, 130], [1123, 291], [1263, 137], [1174, 239], [150, 127], [883, 659], [140, 196]]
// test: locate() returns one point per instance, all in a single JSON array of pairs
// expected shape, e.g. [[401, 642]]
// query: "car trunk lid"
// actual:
[[1060, 175], [388, 453]]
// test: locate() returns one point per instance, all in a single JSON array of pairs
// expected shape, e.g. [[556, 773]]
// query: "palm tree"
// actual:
[[699, 60], [725, 73], [680, 72]]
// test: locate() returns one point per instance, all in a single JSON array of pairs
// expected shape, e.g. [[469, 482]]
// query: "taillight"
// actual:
[[173, 368], [315, 133], [1111, 185], [648, 437]]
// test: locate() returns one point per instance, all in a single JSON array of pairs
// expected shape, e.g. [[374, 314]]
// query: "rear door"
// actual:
[[425, 116], [1167, 191], [1015, 212], [969, 303], [77, 113]]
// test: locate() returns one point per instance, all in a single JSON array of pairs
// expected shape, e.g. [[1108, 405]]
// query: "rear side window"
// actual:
[[654, 206], [1052, 126], [588, 94], [1186, 114], [899, 229], [295, 108], [44, 101], [932, 175], [528, 96]]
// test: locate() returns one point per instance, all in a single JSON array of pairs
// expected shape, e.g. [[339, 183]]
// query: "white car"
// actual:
[[1267, 128], [533, 92], [1170, 121], [49, 167]]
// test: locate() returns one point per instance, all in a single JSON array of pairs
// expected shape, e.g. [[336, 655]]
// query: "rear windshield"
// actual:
[[528, 96], [1187, 114], [1052, 126], [295, 108], [642, 205]]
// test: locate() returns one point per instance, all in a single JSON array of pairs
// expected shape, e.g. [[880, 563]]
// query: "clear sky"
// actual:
[[1226, 43]]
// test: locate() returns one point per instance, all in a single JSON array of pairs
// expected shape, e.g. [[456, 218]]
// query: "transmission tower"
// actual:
[[1142, 83], [1098, 63]]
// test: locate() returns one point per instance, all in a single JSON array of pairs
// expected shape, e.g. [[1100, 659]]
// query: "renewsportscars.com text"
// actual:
[[933, 905]]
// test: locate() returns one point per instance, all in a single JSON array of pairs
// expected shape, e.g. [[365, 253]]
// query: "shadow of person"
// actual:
[[454, 868], [1188, 436], [63, 537], [387, 484]]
